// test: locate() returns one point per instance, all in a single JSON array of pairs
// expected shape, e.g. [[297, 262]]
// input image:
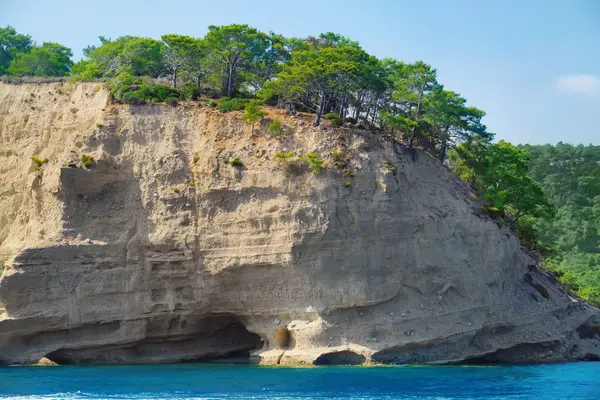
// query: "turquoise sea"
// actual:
[[202, 381]]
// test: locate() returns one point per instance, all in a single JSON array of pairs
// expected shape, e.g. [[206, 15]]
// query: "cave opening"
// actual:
[[345, 357], [214, 338]]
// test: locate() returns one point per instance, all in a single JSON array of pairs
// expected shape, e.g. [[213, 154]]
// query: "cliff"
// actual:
[[162, 251]]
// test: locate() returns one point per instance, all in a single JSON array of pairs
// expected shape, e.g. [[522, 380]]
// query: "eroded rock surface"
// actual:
[[163, 252]]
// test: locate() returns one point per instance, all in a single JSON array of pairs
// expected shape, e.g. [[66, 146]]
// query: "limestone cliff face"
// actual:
[[162, 251]]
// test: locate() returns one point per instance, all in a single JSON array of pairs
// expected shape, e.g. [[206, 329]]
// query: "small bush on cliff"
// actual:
[[87, 161], [313, 162], [282, 156], [39, 162], [339, 160], [172, 101], [236, 104], [235, 162], [275, 127], [253, 113], [133, 98], [334, 118], [136, 90], [291, 166], [390, 167]]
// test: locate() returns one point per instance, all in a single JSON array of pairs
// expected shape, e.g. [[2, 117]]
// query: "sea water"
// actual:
[[202, 381]]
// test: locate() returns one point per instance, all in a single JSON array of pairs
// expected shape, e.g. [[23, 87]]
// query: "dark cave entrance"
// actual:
[[345, 357], [173, 339]]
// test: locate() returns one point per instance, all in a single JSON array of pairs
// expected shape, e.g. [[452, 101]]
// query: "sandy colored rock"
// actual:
[[162, 251], [44, 362]]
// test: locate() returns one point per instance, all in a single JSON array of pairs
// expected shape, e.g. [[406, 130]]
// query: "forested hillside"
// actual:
[[570, 176]]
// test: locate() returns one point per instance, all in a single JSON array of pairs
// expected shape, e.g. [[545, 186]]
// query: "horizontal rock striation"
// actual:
[[162, 251]]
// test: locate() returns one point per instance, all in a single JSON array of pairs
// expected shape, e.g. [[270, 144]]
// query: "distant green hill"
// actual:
[[570, 177]]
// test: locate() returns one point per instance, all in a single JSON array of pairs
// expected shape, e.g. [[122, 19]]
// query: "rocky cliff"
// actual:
[[164, 251]]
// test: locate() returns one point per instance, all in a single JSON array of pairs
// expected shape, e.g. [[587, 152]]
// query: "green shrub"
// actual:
[[190, 92], [160, 93], [390, 167], [494, 212], [350, 120], [196, 158], [291, 165], [334, 118], [212, 104], [260, 154], [349, 173], [526, 232], [134, 98], [135, 90], [39, 162], [87, 161], [172, 101], [339, 160], [282, 156], [234, 104], [275, 127], [313, 162], [99, 125], [347, 184], [235, 162], [253, 113]]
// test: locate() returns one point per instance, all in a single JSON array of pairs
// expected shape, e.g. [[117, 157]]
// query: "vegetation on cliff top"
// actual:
[[334, 78], [20, 56], [499, 172], [327, 75]]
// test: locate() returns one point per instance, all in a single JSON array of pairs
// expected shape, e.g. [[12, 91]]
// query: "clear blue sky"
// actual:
[[532, 65]]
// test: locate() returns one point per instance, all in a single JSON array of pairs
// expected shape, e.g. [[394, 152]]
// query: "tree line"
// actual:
[[20, 56], [327, 74]]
